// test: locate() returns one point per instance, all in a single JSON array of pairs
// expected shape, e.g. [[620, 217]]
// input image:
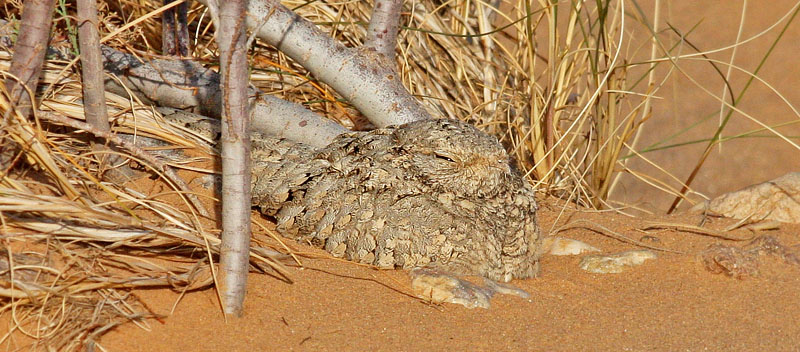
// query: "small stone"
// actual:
[[772, 200], [615, 263]]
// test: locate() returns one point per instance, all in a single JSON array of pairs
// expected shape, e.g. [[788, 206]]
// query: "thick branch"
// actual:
[[382, 31], [187, 85], [359, 75], [26, 65], [94, 99], [29, 52], [235, 250]]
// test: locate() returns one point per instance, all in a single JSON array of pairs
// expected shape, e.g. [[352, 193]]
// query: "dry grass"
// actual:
[[554, 81], [72, 245]]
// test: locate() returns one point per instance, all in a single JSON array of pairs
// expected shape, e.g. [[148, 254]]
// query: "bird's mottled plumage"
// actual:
[[437, 193]]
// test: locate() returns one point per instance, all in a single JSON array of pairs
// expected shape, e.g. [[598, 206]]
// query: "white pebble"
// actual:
[[564, 246]]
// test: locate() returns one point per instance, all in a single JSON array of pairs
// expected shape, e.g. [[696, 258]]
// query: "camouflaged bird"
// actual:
[[434, 194], [438, 197]]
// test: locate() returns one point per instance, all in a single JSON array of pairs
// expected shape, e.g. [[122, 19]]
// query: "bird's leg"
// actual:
[[175, 30], [439, 286]]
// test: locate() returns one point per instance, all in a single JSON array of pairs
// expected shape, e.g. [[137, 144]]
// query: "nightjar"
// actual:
[[439, 195]]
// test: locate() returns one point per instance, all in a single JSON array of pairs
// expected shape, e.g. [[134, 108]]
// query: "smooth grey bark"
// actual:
[[382, 30], [358, 74], [186, 85], [235, 153]]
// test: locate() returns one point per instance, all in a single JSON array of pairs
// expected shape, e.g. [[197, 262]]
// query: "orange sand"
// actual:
[[671, 303]]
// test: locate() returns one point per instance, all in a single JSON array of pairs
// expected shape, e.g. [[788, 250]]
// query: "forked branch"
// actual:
[[186, 85], [358, 74]]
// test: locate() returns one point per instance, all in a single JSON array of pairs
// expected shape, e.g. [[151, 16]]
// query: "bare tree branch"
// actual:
[[184, 84], [175, 30], [29, 53], [94, 97], [359, 75], [26, 65], [235, 153], [382, 31]]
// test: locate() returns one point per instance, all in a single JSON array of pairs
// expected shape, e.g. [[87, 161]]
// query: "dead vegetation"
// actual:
[[553, 84], [743, 262]]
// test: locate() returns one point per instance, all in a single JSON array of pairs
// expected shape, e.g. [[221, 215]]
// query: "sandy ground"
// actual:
[[671, 303]]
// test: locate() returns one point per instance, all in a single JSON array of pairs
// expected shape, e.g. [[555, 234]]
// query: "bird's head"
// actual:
[[456, 157]]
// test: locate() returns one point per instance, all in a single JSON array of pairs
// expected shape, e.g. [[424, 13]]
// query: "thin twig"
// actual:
[[694, 229], [591, 225]]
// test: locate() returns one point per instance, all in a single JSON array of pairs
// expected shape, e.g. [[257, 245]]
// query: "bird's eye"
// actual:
[[443, 157]]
